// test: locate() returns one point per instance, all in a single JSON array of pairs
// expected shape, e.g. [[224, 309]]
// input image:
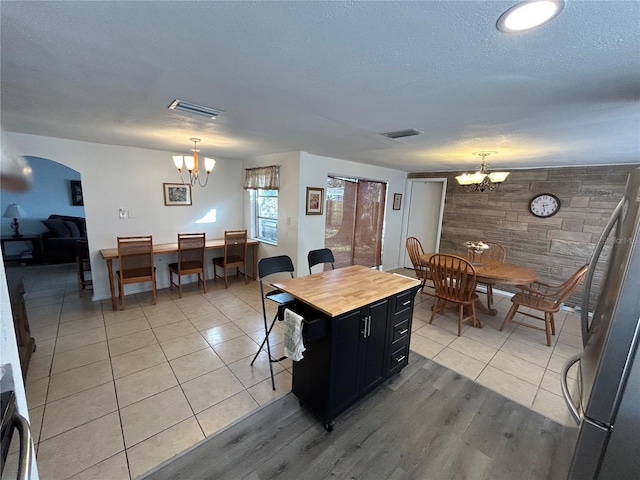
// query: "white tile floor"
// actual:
[[113, 394]]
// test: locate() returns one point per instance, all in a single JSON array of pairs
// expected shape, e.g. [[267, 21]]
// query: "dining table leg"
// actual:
[[488, 309], [255, 261], [112, 289]]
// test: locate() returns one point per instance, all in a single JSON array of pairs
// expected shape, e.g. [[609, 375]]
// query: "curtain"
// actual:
[[264, 178]]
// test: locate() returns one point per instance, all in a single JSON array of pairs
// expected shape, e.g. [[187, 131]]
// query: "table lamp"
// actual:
[[15, 211]]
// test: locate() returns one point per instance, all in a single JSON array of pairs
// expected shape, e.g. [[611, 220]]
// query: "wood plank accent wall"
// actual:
[[555, 247]]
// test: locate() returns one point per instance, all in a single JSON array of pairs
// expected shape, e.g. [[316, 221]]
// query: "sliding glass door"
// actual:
[[354, 220]]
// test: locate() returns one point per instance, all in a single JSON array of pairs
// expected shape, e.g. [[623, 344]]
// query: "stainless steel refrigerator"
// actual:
[[607, 403]]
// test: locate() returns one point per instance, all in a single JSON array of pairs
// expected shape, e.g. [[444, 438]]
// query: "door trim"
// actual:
[[405, 220]]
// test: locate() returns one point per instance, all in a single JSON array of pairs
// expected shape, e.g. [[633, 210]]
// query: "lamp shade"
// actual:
[[14, 211]]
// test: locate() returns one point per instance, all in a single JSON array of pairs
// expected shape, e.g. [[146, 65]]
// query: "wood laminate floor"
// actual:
[[427, 422]]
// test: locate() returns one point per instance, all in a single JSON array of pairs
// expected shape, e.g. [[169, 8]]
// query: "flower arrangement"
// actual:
[[477, 247]]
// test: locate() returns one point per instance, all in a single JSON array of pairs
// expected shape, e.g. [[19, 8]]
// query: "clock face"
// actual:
[[544, 205]]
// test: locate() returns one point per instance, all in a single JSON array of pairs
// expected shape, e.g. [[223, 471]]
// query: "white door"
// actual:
[[426, 204]]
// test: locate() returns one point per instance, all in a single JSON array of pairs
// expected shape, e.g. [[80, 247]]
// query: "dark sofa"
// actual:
[[59, 242]]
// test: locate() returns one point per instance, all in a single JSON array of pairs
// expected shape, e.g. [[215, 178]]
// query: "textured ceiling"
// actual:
[[328, 77]]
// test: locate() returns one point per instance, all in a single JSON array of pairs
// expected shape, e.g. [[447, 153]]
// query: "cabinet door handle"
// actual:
[[404, 331], [369, 328], [401, 358], [408, 302], [364, 327]]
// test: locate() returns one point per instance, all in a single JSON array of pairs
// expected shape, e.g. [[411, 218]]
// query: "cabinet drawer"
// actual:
[[403, 302], [401, 330], [399, 359]]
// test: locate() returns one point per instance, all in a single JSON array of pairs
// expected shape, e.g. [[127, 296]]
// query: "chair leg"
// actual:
[[226, 282], [204, 281], [266, 340], [179, 285], [547, 328], [121, 292], [553, 324], [510, 315], [153, 286], [434, 309], [460, 315]]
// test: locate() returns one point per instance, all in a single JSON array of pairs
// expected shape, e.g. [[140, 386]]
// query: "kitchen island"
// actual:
[[357, 330]]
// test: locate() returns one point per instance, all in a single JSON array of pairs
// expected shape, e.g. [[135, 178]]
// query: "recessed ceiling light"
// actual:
[[529, 14]]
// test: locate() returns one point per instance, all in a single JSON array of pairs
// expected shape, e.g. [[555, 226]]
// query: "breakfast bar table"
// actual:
[[109, 254], [495, 272]]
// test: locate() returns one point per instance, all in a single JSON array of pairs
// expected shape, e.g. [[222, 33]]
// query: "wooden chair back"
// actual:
[[414, 249], [135, 257], [454, 277], [496, 251], [235, 248], [323, 255], [191, 250], [559, 293]]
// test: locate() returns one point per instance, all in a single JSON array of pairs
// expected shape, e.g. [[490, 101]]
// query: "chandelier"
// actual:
[[191, 162], [481, 180]]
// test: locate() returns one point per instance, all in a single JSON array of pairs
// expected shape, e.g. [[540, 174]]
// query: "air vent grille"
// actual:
[[193, 108], [402, 133]]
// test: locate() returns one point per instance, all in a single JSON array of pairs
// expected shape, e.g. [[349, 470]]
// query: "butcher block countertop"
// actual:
[[344, 289]]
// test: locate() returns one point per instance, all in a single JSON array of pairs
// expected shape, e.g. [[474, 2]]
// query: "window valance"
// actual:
[[265, 178]]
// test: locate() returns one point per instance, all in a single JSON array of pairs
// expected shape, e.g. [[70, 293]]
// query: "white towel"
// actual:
[[293, 346]]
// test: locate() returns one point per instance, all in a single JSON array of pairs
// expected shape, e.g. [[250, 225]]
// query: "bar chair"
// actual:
[[544, 298], [454, 279], [135, 263], [323, 255], [235, 255], [191, 251], [269, 266], [83, 265]]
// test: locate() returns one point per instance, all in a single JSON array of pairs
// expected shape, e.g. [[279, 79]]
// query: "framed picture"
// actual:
[[76, 192], [315, 200], [397, 201], [177, 194]]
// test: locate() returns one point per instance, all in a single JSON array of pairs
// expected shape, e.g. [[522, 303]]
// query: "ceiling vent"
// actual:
[[402, 133], [193, 108]]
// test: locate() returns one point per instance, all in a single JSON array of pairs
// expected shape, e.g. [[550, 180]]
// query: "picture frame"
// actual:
[[176, 194], [76, 193], [315, 200], [397, 201]]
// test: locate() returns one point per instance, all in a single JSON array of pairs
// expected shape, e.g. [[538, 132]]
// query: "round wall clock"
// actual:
[[544, 205]]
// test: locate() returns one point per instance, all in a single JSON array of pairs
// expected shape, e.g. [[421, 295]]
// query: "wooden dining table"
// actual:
[[495, 272], [109, 254]]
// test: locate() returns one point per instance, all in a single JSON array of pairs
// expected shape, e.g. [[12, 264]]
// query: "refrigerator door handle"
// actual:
[[615, 216], [573, 409], [26, 450]]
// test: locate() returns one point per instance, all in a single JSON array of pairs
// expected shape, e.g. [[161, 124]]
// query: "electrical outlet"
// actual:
[[123, 213]]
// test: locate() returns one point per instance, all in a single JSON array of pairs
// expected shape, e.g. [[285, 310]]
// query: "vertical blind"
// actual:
[[354, 221], [264, 178]]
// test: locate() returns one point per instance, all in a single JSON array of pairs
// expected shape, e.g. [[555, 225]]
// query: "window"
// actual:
[[266, 215]]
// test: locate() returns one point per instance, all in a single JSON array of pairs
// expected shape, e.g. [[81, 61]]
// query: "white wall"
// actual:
[[314, 170], [115, 177], [288, 206], [297, 232]]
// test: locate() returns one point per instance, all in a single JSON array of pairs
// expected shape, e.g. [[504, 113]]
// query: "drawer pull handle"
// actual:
[[404, 331], [400, 359], [408, 302]]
